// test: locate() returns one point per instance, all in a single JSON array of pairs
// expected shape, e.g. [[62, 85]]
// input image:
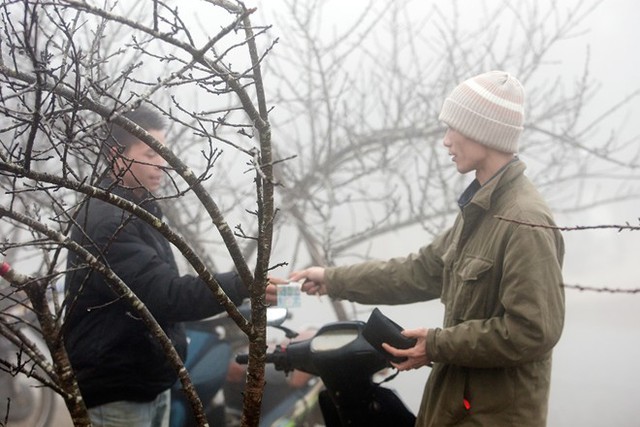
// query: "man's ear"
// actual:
[[112, 153], [115, 158], [115, 152]]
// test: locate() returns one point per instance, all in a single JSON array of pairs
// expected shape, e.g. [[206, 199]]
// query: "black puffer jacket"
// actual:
[[112, 352]]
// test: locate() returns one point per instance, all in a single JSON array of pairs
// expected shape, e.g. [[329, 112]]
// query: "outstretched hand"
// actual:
[[313, 284], [314, 280], [271, 295], [416, 355]]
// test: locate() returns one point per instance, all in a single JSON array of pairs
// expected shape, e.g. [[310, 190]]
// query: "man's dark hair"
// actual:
[[121, 139]]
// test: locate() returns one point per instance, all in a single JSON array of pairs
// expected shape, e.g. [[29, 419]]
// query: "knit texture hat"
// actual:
[[488, 108]]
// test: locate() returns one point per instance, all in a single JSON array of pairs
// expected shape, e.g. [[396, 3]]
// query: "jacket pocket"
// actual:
[[443, 403], [473, 284], [472, 268], [491, 391]]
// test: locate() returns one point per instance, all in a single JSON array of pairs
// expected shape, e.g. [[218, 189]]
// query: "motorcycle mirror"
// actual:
[[276, 316]]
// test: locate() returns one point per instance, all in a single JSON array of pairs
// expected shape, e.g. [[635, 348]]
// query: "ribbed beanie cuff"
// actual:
[[488, 108]]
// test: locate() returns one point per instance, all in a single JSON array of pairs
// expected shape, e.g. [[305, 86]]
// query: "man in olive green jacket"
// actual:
[[499, 278]]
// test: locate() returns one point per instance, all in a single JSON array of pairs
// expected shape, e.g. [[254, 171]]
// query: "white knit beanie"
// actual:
[[488, 108]]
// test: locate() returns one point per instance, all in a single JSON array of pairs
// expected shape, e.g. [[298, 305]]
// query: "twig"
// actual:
[[605, 289], [627, 226]]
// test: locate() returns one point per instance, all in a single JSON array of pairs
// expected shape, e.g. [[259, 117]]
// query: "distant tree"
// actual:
[[358, 97], [344, 126], [69, 69]]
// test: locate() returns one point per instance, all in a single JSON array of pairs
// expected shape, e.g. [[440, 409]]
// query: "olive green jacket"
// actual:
[[501, 284]]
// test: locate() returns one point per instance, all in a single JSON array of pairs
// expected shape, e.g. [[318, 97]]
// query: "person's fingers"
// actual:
[[296, 276], [309, 287], [415, 333], [277, 280], [398, 352], [271, 294]]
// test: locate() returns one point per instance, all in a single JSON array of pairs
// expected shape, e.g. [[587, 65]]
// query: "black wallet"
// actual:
[[379, 328]]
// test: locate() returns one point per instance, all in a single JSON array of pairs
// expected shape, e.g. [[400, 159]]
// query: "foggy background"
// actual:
[[595, 379]]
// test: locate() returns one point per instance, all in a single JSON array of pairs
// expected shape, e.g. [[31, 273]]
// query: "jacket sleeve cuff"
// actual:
[[333, 284], [233, 286], [432, 348]]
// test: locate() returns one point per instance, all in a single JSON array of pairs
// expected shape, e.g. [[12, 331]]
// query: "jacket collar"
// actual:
[[145, 201], [481, 196]]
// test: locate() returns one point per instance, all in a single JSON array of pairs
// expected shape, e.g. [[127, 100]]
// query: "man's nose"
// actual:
[[445, 139], [159, 162]]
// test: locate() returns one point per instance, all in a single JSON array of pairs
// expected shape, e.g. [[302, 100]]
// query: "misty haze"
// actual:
[[327, 138]]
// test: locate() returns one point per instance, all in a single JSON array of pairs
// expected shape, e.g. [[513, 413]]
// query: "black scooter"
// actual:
[[346, 362]]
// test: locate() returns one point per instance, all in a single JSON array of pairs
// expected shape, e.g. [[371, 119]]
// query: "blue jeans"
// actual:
[[135, 414]]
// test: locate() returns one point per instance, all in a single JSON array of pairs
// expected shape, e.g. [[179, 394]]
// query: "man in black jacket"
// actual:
[[123, 373]]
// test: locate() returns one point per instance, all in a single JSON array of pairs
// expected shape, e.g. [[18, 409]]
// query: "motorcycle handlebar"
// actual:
[[278, 358]]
